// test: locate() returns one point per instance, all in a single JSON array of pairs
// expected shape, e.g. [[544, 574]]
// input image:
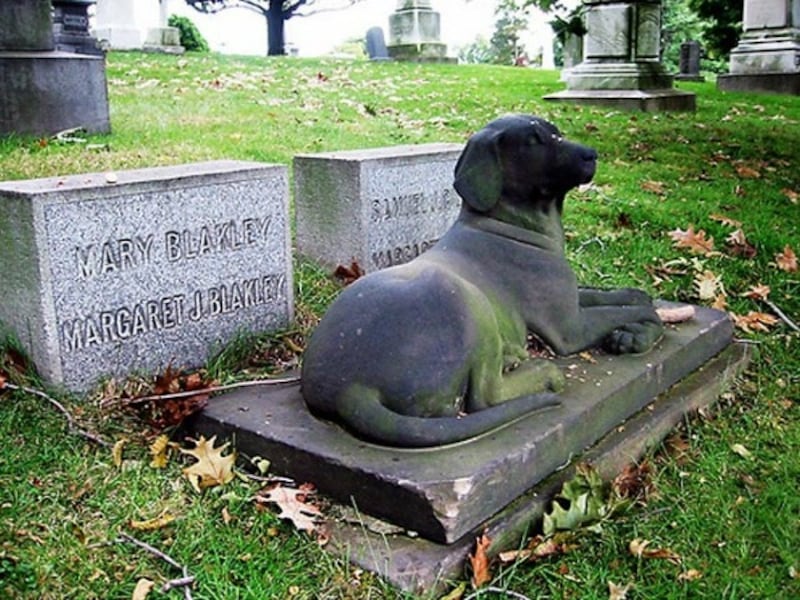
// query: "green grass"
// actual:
[[735, 520]]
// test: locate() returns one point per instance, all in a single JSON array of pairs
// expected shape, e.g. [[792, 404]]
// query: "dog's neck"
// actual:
[[539, 228]]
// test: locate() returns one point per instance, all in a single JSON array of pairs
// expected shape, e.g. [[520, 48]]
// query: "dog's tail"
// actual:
[[362, 410]]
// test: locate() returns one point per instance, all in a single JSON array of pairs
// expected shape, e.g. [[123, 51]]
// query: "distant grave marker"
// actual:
[[379, 207], [157, 267], [376, 44]]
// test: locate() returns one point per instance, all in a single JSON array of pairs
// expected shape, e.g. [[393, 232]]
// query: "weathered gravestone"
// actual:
[[767, 58], [159, 266], [376, 44], [690, 62], [44, 91], [621, 64], [71, 27], [414, 33], [378, 207]]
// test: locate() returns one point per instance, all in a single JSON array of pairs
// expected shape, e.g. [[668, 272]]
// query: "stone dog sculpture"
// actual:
[[434, 351]]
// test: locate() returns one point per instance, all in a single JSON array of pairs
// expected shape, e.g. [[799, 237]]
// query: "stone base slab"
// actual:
[[416, 565], [643, 100], [770, 83], [47, 92], [445, 492]]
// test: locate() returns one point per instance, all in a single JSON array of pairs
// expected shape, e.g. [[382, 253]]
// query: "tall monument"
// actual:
[[621, 60], [414, 33], [767, 58]]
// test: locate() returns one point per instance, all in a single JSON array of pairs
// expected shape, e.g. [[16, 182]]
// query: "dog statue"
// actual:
[[435, 351]]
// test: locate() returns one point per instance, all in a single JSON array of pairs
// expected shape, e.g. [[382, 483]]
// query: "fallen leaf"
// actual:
[[786, 260], [479, 562], [695, 242], [720, 302], [757, 292], [348, 275], [585, 499], [211, 468], [165, 518], [116, 452], [793, 573], [742, 451], [641, 549], [293, 505], [791, 195], [739, 246], [708, 285], [754, 321], [746, 172], [690, 575], [618, 592], [538, 548], [634, 482], [655, 187], [142, 589], [457, 593], [725, 220], [159, 450], [226, 515]]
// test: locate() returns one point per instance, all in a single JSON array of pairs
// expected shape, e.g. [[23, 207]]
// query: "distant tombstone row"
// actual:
[[108, 275]]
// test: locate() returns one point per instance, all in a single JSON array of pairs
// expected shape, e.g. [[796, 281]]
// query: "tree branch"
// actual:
[[184, 582]]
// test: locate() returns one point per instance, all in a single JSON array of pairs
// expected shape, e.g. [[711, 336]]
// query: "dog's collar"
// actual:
[[507, 230]]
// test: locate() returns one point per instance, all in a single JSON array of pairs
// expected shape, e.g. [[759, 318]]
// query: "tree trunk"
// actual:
[[275, 22]]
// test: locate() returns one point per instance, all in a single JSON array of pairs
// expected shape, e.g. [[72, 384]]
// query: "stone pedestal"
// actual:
[[621, 65], [128, 25], [71, 27], [414, 33], [45, 91], [767, 58]]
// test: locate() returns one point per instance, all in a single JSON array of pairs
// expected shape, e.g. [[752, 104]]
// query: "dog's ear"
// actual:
[[478, 172]]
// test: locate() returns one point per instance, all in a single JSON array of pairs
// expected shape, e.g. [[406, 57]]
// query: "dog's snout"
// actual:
[[589, 154]]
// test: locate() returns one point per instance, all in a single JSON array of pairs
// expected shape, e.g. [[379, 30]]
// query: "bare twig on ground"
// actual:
[[71, 423], [182, 582], [781, 314], [105, 402]]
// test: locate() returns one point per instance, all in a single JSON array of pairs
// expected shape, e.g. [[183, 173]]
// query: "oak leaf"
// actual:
[[618, 592], [746, 172], [641, 549], [754, 321], [786, 260], [690, 575], [211, 468], [757, 292], [695, 242], [720, 302], [739, 246], [294, 506], [708, 285], [725, 220], [142, 589], [165, 518], [479, 561], [791, 195], [348, 275], [655, 187]]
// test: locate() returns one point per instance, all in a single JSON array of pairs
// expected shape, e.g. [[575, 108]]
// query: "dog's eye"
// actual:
[[557, 138]]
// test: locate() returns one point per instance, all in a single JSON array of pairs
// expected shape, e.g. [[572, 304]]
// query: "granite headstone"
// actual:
[[106, 275], [378, 207]]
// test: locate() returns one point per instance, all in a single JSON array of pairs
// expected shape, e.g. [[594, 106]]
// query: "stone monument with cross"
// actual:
[[621, 60], [767, 58]]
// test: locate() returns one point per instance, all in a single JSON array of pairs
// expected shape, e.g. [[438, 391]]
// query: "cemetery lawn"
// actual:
[[725, 496]]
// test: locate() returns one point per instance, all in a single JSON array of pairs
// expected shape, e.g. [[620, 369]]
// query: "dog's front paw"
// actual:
[[635, 297], [633, 338]]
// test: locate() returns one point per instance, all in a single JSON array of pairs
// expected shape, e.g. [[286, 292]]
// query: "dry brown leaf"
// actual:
[[746, 172], [294, 506], [720, 302], [754, 321], [725, 220], [479, 562], [142, 589], [742, 451], [457, 593], [159, 450], [708, 285], [791, 195], [116, 452], [165, 518], [641, 549], [654, 187], [690, 575], [757, 292], [634, 482], [618, 592], [696, 242], [539, 547], [211, 468], [786, 260], [739, 246], [348, 275], [226, 515]]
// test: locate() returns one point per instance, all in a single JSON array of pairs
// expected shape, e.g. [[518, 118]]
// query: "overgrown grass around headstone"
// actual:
[[726, 484]]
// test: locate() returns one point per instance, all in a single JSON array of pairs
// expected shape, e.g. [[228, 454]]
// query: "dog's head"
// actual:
[[520, 158]]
